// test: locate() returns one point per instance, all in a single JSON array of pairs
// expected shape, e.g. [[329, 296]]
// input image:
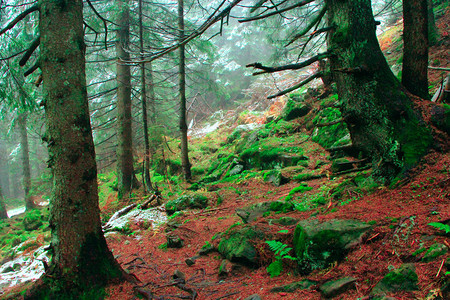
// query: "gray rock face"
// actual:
[[317, 245]]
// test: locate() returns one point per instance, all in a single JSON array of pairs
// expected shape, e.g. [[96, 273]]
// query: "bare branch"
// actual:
[[315, 21], [288, 67], [301, 3], [30, 51], [19, 18], [32, 69], [297, 86], [103, 20]]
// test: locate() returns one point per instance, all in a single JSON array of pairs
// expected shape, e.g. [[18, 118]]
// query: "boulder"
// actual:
[[32, 220], [401, 279], [239, 245], [275, 177], [196, 200], [435, 251], [292, 287], [295, 109], [252, 212], [318, 245], [333, 288]]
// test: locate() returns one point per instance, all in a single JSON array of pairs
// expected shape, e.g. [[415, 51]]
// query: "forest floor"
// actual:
[[399, 217]]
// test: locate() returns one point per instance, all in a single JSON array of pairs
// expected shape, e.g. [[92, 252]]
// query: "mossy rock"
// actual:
[[292, 287], [435, 251], [401, 279], [32, 220], [252, 212], [239, 245], [195, 200], [294, 110], [285, 221], [333, 288], [275, 177], [318, 245]]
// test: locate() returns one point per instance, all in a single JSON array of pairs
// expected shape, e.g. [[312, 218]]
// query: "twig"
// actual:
[[302, 3], [104, 22], [19, 18], [297, 86], [440, 268]]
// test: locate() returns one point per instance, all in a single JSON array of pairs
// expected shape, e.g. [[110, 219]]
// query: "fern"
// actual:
[[440, 226], [280, 251]]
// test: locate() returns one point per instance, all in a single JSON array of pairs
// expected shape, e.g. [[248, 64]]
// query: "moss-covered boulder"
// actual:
[[239, 245], [295, 109], [194, 200], [440, 117], [32, 220], [252, 212], [434, 252], [318, 245], [275, 177], [401, 279]]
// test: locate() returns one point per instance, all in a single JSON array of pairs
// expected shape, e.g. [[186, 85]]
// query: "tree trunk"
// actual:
[[185, 164], [380, 117], [146, 174], [22, 121], [81, 261], [3, 211], [4, 171], [125, 170], [415, 47], [433, 35]]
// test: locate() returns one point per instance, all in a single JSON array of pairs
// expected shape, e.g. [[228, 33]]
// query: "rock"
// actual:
[[252, 212], [237, 169], [174, 241], [253, 297], [239, 245], [179, 275], [435, 251], [225, 268], [286, 221], [333, 288], [191, 260], [32, 220], [205, 250], [318, 245], [195, 200], [402, 279], [440, 117], [292, 287], [275, 177], [294, 110]]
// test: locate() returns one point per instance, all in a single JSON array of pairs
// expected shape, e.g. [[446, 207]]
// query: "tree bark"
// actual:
[[380, 117], [185, 164], [125, 171], [3, 211], [81, 261], [433, 35], [415, 47], [148, 186], [4, 171], [22, 122]]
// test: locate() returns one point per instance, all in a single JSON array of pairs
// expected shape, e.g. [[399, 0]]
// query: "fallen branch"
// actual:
[[440, 268]]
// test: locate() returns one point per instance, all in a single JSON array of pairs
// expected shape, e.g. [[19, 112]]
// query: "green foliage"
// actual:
[[281, 251], [298, 189], [440, 226]]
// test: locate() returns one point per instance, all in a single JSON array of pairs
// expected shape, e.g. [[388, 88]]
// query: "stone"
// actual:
[[286, 221], [239, 245], [333, 288], [318, 245], [253, 297], [174, 241], [294, 110], [237, 169], [191, 260], [32, 220], [292, 287], [194, 200], [275, 177], [435, 251], [180, 276], [251, 213], [401, 279]]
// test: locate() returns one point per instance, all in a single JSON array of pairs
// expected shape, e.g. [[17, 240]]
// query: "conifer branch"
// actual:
[[297, 86], [301, 65], [315, 21], [36, 66], [30, 51], [103, 20], [300, 4], [19, 18]]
